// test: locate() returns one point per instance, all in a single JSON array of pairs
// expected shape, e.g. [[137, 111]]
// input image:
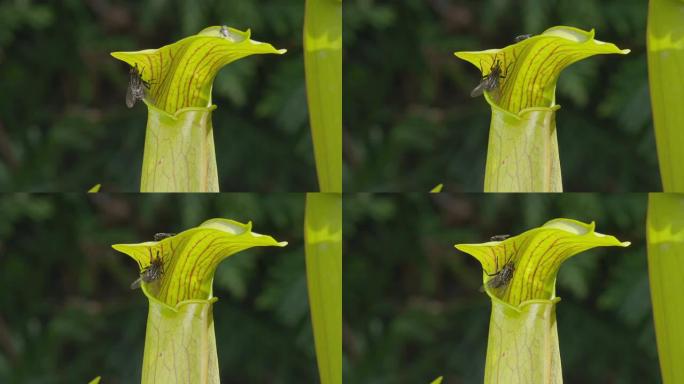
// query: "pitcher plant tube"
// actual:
[[519, 276], [519, 83], [180, 344], [175, 84]]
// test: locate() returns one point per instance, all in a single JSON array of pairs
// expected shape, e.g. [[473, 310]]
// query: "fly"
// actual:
[[502, 277], [490, 81], [163, 235], [520, 38], [224, 31], [499, 237], [136, 87], [227, 34], [150, 273]]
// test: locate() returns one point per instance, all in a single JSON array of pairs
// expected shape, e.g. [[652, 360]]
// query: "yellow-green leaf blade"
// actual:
[[323, 238], [323, 65], [181, 74], [665, 237], [665, 41]]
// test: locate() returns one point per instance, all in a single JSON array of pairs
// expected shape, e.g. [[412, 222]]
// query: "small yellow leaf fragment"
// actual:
[[95, 188], [97, 379], [437, 380], [437, 188]]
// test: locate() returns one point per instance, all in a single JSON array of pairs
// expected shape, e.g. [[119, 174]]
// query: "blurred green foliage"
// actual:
[[64, 125], [412, 306], [410, 123], [67, 313]]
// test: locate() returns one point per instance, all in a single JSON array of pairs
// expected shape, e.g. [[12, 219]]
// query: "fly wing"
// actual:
[[136, 283], [479, 90], [130, 98]]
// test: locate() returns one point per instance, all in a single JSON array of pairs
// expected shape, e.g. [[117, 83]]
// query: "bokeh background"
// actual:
[[409, 122], [64, 125], [67, 313], [412, 306]]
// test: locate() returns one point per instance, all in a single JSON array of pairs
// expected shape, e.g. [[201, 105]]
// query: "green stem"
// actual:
[[665, 237], [523, 344], [323, 237], [179, 152], [522, 155], [665, 40], [323, 61]]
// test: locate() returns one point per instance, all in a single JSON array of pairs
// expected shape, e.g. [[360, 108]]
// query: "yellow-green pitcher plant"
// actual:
[[519, 276], [177, 81], [180, 343], [522, 155]]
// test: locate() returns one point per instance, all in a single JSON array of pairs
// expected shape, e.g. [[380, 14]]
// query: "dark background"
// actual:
[[413, 312], [410, 122], [67, 313], [64, 125]]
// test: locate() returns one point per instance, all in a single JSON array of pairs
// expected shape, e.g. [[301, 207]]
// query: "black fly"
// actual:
[[136, 87], [489, 82], [150, 273], [499, 237], [520, 38], [162, 235], [503, 277]]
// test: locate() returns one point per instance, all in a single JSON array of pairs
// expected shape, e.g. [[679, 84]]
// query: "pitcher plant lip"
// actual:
[[175, 308], [536, 256], [181, 74], [520, 114], [521, 307], [569, 44], [176, 115], [190, 258]]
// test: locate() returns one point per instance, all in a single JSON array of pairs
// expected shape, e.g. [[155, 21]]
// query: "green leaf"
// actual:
[[323, 237], [180, 339], [179, 142], [437, 188], [523, 147], [665, 40], [665, 237], [323, 64], [437, 380], [95, 380]]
